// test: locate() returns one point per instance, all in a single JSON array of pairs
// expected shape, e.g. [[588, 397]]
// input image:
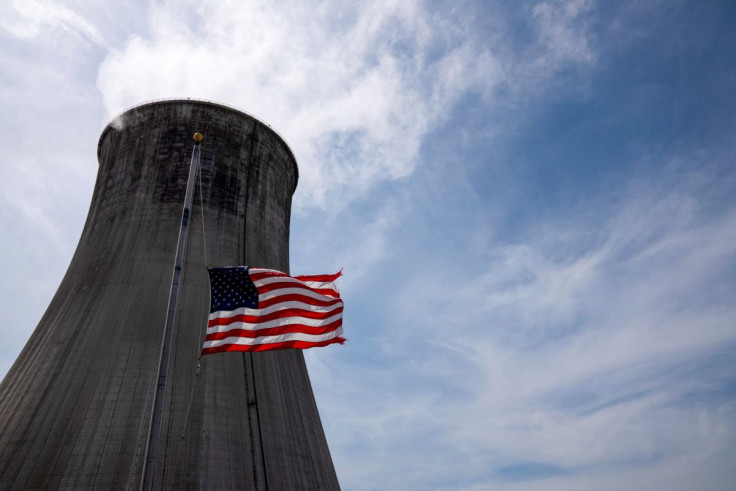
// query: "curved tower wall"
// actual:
[[75, 407]]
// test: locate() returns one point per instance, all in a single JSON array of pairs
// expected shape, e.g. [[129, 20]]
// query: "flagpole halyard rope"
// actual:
[[198, 366], [199, 313], [206, 262], [157, 411]]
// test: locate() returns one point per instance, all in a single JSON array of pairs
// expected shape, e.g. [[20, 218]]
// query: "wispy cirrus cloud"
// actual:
[[27, 19], [562, 30], [561, 359]]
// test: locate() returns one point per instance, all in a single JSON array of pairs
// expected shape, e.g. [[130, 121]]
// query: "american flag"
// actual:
[[256, 309]]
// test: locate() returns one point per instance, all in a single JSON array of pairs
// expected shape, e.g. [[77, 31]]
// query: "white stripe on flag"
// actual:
[[286, 321], [281, 338], [294, 291]]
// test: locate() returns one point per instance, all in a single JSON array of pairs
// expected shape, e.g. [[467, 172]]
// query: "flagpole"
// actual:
[[157, 412]]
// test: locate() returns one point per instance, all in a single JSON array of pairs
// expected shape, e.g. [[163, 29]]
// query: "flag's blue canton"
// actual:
[[232, 289]]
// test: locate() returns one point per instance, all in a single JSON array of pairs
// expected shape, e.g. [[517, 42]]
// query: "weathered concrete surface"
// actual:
[[75, 406]]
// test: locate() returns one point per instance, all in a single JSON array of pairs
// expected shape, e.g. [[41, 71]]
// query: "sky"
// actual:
[[534, 204]]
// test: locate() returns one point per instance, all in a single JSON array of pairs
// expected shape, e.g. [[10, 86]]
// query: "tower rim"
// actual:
[[178, 100]]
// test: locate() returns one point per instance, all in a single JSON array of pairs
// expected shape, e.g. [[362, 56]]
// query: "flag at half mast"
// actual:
[[255, 309]]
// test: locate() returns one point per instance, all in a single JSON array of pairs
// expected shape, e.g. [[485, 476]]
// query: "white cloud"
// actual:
[[27, 19], [354, 89]]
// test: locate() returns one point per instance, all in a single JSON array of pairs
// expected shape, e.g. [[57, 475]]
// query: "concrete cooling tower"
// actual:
[[76, 407]]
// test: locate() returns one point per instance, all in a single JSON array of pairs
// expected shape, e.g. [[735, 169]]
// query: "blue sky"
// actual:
[[533, 203]]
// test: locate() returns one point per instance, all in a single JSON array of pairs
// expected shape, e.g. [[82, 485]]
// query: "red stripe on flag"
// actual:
[[272, 346], [279, 314], [319, 277]]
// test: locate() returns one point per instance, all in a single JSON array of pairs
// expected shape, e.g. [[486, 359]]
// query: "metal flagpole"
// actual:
[[154, 431]]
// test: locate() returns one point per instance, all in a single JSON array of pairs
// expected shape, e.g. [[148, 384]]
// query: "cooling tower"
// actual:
[[75, 408]]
